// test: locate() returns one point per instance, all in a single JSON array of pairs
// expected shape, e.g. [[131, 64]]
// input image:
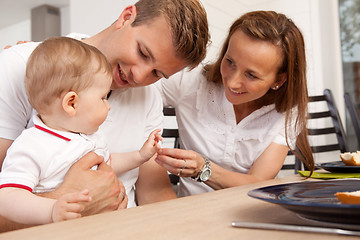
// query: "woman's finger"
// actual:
[[170, 161], [178, 153], [168, 167]]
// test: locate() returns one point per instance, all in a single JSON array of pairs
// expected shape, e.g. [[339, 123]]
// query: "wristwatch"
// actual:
[[205, 173]]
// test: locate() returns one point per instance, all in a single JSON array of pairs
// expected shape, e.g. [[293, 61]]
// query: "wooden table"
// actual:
[[201, 217]]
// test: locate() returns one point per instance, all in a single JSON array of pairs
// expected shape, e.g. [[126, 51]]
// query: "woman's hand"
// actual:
[[184, 163], [266, 166], [103, 185]]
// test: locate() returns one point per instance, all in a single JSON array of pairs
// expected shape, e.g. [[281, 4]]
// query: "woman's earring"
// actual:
[[276, 87]]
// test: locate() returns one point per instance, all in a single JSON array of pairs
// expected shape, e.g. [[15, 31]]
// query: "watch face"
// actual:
[[205, 175]]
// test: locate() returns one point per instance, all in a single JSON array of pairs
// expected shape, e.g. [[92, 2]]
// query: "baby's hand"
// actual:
[[155, 136], [154, 139], [151, 145], [69, 206]]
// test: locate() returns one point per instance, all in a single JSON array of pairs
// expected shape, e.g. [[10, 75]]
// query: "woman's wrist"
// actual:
[[198, 170], [204, 172]]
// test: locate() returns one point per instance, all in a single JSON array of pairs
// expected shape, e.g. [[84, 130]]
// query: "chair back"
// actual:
[[352, 110], [171, 133], [317, 129]]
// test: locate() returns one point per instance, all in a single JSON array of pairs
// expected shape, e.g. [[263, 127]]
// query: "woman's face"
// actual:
[[249, 68]]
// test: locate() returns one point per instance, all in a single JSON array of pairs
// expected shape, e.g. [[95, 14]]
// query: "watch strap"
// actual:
[[205, 167]]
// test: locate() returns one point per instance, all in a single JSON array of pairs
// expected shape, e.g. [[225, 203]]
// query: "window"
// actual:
[[349, 11]]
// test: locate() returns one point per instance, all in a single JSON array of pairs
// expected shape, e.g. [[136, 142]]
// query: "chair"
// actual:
[[353, 115], [173, 134], [336, 129]]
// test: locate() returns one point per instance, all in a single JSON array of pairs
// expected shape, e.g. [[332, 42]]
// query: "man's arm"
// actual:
[[4, 145], [153, 184]]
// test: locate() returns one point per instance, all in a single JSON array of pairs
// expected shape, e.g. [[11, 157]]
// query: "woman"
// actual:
[[239, 116]]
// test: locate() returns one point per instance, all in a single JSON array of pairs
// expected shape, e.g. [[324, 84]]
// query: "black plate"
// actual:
[[314, 200], [340, 167]]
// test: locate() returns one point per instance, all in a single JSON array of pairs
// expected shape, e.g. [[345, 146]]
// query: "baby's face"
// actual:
[[93, 106]]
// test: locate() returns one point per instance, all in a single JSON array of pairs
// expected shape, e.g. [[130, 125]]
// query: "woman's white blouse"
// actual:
[[207, 125]]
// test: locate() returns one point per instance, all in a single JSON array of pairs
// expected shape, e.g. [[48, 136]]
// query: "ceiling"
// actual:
[[15, 11]]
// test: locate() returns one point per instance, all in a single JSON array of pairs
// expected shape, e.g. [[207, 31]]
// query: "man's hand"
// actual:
[[103, 185], [18, 42]]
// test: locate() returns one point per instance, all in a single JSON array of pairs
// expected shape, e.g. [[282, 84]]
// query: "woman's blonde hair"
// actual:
[[187, 20], [60, 65], [281, 31]]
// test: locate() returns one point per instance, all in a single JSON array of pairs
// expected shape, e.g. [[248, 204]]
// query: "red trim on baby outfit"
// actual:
[[14, 185], [53, 133], [108, 160]]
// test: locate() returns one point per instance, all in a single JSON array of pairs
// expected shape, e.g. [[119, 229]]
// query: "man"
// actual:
[[150, 40]]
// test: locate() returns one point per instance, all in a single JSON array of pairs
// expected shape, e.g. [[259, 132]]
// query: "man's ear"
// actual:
[[69, 103], [128, 15]]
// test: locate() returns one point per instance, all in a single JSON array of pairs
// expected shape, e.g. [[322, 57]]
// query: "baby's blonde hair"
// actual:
[[59, 65]]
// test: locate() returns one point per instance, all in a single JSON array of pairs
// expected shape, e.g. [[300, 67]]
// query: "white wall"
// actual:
[[11, 34], [22, 30], [327, 50], [97, 16], [318, 20], [65, 20]]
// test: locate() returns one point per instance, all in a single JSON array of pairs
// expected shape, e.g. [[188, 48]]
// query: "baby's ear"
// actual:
[[69, 103]]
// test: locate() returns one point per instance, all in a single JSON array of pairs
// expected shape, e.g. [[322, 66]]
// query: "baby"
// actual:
[[67, 83]]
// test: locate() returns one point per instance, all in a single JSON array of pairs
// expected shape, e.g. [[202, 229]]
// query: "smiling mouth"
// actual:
[[233, 91], [122, 75]]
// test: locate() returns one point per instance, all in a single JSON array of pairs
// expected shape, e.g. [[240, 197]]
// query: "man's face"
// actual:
[[141, 55]]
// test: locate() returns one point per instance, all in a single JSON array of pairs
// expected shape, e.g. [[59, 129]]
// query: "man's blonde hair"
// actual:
[[187, 20], [60, 65]]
